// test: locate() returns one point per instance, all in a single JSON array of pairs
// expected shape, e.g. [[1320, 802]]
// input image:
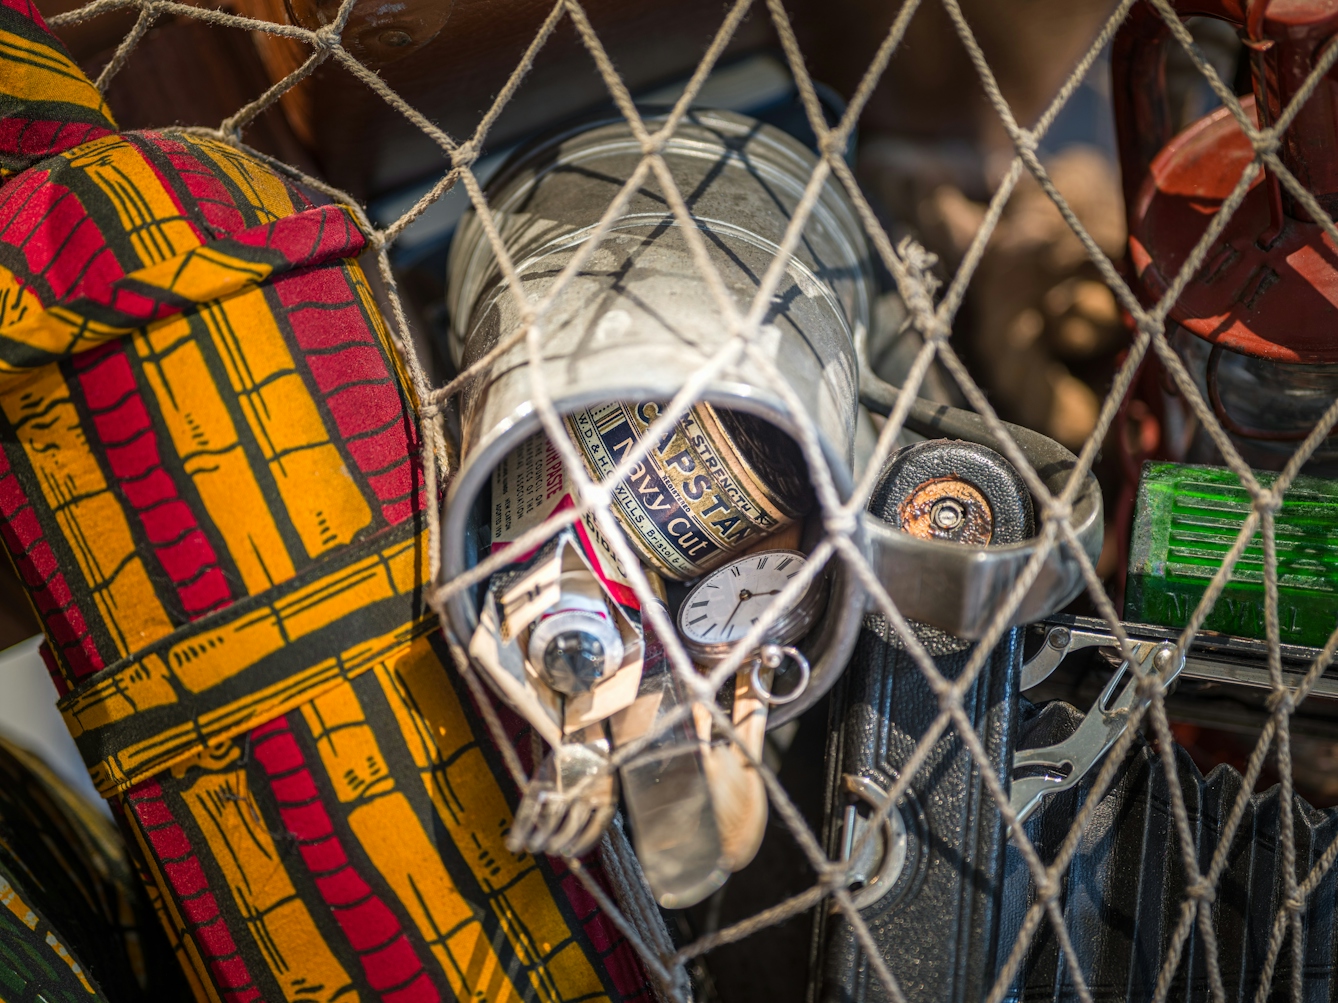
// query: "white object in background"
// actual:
[[28, 717], [749, 85]]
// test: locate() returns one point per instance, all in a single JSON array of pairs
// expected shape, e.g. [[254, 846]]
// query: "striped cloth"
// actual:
[[209, 485]]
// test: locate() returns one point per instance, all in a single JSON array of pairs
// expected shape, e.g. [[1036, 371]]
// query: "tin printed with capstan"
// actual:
[[695, 500]]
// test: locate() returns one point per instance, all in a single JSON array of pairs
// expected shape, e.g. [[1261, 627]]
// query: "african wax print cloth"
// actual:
[[75, 923], [209, 484]]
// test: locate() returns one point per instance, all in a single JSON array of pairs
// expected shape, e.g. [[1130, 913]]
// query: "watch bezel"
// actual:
[[789, 629]]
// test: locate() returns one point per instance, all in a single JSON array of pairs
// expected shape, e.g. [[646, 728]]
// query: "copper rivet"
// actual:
[[948, 508]]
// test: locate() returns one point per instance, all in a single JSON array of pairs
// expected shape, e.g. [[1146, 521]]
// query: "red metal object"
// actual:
[[1269, 286]]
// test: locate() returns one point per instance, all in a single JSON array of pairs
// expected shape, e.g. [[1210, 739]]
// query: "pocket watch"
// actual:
[[722, 607]]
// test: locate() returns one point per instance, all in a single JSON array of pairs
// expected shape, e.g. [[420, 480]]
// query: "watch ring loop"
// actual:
[[772, 655]]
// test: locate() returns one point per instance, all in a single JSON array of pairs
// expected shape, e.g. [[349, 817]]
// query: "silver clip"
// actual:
[[1067, 762], [1060, 641]]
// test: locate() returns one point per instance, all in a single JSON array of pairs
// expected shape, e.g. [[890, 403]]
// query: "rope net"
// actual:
[[931, 313]]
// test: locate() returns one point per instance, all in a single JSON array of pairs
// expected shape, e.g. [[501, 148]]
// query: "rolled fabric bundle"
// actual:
[[209, 484]]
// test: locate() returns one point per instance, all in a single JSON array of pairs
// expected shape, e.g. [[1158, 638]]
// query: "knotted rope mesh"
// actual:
[[932, 315]]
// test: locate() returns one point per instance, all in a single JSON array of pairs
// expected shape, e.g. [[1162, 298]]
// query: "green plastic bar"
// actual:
[[1188, 518]]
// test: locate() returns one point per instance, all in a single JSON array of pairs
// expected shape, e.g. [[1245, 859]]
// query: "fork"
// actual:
[[568, 803]]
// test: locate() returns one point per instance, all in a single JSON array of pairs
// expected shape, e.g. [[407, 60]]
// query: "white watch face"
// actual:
[[731, 599]]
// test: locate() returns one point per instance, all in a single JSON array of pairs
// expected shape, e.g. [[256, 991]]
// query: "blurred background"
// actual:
[[1040, 331]]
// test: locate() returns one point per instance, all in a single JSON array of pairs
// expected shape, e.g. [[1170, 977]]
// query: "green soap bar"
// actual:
[[1188, 518]]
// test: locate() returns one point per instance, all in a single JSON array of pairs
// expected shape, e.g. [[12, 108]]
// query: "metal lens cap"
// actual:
[[961, 492], [574, 661]]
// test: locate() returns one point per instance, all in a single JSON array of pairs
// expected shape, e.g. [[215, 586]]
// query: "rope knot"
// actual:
[[598, 496], [465, 154], [1149, 687], [832, 873], [1281, 700], [1266, 142], [1295, 904], [326, 37], [1268, 500], [936, 331], [840, 523], [828, 145], [1058, 510], [1202, 890]]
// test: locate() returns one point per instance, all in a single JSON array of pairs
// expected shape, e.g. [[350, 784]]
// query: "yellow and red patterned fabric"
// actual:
[[209, 484], [47, 105]]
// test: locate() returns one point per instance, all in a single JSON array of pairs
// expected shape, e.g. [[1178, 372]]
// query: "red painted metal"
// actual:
[[1269, 285]]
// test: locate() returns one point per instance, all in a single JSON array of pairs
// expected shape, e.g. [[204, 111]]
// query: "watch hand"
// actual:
[[744, 596]]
